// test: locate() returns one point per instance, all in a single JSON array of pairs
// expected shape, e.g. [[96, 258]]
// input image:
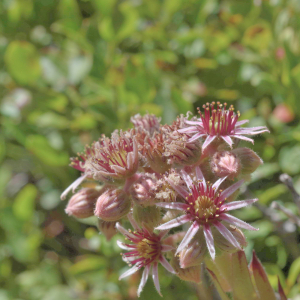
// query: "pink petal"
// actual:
[[123, 246], [129, 272], [209, 241], [144, 279], [227, 140], [166, 264], [227, 235], [163, 233], [175, 222], [236, 222], [188, 180], [199, 123], [241, 137], [181, 191], [155, 277], [124, 231], [191, 129], [238, 204], [196, 137], [200, 176], [166, 248], [240, 123], [252, 129], [230, 190], [72, 187], [133, 222], [208, 140], [172, 205], [218, 183], [188, 236]]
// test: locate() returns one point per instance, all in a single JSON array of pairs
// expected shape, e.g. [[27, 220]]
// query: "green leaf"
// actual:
[[22, 62], [23, 206]]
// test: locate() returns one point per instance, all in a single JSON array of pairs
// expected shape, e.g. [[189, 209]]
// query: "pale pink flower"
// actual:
[[205, 207], [146, 250], [222, 123]]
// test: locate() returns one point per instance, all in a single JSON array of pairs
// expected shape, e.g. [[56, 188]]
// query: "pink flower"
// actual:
[[205, 207], [222, 123], [146, 250]]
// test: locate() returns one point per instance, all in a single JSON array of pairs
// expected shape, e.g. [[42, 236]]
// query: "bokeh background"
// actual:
[[72, 70]]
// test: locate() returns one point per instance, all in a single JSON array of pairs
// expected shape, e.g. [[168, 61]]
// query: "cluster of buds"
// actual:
[[162, 177]]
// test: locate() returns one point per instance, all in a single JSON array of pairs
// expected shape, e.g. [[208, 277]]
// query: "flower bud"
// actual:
[[146, 216], [194, 253], [250, 161], [108, 229], [192, 274], [224, 245], [142, 191], [226, 163], [82, 204], [112, 205]]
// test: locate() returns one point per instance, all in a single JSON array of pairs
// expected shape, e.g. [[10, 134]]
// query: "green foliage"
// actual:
[[71, 70]]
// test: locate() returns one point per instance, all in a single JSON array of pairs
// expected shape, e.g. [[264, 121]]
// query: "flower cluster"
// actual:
[[161, 177]]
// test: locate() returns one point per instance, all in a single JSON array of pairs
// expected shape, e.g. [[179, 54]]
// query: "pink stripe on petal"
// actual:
[[218, 183], [188, 130], [155, 277], [196, 137], [200, 176], [208, 140], [209, 241], [241, 137], [236, 222], [166, 264], [227, 140], [144, 279], [133, 222], [184, 193], [227, 235], [194, 122], [175, 222], [238, 204], [188, 180], [188, 236], [122, 230], [172, 205], [230, 190], [129, 272]]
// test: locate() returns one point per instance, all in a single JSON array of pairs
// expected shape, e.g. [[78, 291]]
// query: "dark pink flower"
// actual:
[[205, 207], [222, 123], [145, 250]]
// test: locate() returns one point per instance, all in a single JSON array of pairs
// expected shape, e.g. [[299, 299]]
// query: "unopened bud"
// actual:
[[82, 204], [224, 245], [147, 216], [108, 229], [142, 191], [192, 274], [112, 205], [226, 163], [250, 161], [194, 253]]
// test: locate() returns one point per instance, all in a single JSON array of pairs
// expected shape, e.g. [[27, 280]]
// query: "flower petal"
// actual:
[[227, 140], [208, 140], [196, 137], [188, 236], [230, 190], [209, 241], [240, 123], [188, 180], [227, 235], [144, 279], [155, 277], [122, 230], [175, 222], [181, 191], [133, 222], [166, 248], [236, 222], [123, 246], [166, 264], [241, 137], [218, 183], [72, 187], [238, 204], [200, 177], [129, 272]]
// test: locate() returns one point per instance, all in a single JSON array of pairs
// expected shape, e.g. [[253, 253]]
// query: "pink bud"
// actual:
[[112, 205], [225, 163], [108, 229], [250, 161], [142, 191], [82, 204], [147, 216]]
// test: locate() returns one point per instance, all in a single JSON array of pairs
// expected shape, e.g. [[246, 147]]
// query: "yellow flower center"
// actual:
[[205, 207], [148, 249]]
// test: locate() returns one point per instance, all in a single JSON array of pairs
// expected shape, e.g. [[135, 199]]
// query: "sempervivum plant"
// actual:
[[164, 177]]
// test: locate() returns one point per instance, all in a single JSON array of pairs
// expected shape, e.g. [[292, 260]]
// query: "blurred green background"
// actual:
[[71, 70]]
